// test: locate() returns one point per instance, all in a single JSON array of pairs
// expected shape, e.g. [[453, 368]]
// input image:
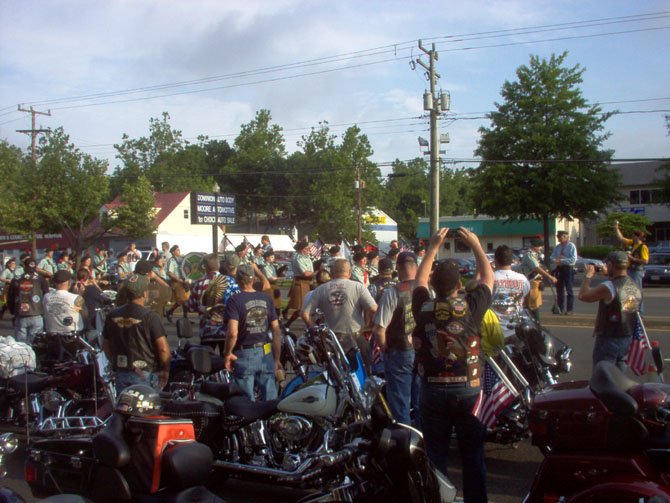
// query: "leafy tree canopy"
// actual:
[[543, 152]]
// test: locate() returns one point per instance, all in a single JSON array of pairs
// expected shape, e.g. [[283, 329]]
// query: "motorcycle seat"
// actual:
[[35, 382], [220, 390], [611, 385], [248, 411]]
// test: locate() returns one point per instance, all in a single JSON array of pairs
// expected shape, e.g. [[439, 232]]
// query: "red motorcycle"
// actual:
[[604, 440]]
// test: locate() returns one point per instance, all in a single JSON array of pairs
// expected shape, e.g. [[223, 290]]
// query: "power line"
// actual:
[[398, 47]]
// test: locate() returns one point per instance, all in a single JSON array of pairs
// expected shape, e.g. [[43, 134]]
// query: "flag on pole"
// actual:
[[493, 398], [346, 251], [316, 249], [637, 348]]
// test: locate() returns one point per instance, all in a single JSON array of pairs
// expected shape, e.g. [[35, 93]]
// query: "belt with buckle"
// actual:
[[252, 346]]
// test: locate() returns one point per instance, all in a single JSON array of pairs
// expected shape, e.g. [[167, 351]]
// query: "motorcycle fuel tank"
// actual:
[[317, 399]]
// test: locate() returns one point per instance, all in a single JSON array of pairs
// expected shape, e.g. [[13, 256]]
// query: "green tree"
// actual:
[[21, 184], [135, 215], [165, 158], [628, 222], [543, 153], [76, 189], [406, 196], [255, 170]]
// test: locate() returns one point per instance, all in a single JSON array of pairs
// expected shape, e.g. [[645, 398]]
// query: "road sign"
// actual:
[[210, 208]]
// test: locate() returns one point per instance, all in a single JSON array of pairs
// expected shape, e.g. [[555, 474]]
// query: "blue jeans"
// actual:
[[611, 349], [125, 378], [565, 276], [25, 328], [400, 377], [441, 412], [254, 368]]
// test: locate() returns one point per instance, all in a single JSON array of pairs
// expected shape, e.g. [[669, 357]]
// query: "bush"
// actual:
[[599, 252]]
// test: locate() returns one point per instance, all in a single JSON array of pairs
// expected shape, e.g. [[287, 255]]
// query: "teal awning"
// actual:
[[500, 227]]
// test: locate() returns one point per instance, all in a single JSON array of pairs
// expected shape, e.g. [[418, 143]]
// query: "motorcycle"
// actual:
[[143, 459], [604, 440], [531, 360], [71, 393], [329, 434]]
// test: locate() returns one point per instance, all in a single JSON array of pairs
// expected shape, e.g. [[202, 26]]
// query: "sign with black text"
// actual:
[[212, 208]]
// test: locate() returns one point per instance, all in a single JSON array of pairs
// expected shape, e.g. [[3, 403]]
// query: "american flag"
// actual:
[[316, 249], [493, 398], [637, 348]]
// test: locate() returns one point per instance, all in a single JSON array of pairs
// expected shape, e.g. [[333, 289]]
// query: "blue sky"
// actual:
[[52, 50]]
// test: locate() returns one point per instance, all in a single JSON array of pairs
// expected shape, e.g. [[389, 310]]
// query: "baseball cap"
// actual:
[[240, 247], [536, 242], [268, 254], [618, 258], [300, 245], [406, 256], [62, 276], [136, 285], [562, 233], [373, 254], [334, 249], [231, 261], [245, 271], [392, 252]]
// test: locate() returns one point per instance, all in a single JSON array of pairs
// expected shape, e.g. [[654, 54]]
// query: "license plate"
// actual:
[[655, 278]]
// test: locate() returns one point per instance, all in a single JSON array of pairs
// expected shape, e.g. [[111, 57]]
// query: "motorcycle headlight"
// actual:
[[8, 443], [52, 400]]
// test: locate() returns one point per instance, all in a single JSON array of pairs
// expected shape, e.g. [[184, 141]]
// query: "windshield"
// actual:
[[659, 259]]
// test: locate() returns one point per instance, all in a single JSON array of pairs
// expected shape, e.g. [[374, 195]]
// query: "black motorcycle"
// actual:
[[531, 360]]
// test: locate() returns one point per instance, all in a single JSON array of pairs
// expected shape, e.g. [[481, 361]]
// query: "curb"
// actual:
[[587, 320]]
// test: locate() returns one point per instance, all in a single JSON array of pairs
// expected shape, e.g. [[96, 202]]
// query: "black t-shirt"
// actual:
[[132, 331], [479, 300], [254, 311], [94, 299]]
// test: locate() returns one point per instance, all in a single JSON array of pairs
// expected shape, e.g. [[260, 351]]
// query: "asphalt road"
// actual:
[[510, 469]]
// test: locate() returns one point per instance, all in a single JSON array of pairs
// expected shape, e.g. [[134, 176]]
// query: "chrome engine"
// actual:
[[294, 430]]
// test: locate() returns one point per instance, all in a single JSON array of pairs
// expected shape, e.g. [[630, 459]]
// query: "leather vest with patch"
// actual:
[[132, 348], [449, 346], [618, 318], [379, 284], [29, 296], [399, 331]]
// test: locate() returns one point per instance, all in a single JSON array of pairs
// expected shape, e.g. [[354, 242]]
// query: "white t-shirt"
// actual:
[[507, 285], [61, 304]]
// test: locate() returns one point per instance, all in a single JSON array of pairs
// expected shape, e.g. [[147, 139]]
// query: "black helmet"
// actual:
[[139, 400]]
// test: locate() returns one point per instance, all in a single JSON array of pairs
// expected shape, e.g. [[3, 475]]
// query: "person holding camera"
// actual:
[[447, 341], [638, 253], [619, 301]]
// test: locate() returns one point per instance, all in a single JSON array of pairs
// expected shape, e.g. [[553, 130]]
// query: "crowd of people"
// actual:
[[408, 313]]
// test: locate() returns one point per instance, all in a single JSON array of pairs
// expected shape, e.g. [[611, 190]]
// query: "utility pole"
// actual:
[[434, 103], [359, 185], [33, 132]]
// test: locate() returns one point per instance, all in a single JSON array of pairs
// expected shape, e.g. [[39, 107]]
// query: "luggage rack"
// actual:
[[70, 424]]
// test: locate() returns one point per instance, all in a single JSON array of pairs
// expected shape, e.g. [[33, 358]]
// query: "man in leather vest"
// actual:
[[135, 341], [447, 343], [393, 326], [619, 301], [24, 299]]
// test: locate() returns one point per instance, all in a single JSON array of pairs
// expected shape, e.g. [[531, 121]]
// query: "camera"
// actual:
[[452, 233], [598, 268]]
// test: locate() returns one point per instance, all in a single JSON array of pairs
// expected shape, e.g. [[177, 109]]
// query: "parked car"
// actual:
[[465, 267], [582, 261], [657, 270]]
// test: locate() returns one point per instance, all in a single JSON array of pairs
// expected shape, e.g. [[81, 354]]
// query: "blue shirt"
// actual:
[[567, 253]]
